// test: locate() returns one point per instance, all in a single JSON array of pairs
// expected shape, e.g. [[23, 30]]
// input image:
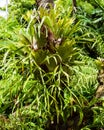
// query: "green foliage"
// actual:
[[92, 22], [87, 7], [18, 8], [11, 27], [48, 78]]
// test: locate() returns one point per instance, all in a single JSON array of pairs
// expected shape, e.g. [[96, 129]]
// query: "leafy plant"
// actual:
[[36, 81], [47, 78]]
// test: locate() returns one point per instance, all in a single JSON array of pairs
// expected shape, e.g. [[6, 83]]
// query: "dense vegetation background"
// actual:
[[51, 66]]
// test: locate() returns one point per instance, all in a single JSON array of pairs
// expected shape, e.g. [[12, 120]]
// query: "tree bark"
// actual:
[[45, 3], [74, 5]]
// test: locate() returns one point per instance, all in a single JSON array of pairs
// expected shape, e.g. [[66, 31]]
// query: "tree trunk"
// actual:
[[45, 3], [74, 5]]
